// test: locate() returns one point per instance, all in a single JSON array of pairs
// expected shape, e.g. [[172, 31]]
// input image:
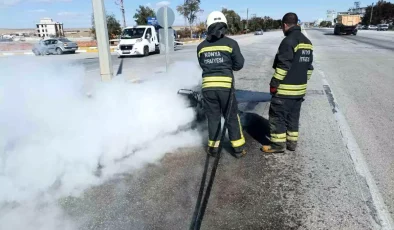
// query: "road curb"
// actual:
[[91, 50], [94, 48], [88, 50], [188, 42], [16, 53]]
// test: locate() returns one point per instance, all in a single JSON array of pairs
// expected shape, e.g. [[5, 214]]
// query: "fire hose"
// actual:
[[202, 199]]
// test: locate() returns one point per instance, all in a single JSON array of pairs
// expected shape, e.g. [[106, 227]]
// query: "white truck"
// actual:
[[139, 40]]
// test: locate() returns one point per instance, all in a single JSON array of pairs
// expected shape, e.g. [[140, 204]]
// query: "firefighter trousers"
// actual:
[[216, 103], [284, 116]]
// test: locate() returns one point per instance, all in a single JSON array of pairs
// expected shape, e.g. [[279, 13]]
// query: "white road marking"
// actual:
[[306, 34], [357, 157], [358, 160]]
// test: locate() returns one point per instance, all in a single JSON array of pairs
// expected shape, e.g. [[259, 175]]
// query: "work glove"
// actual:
[[273, 90], [274, 84]]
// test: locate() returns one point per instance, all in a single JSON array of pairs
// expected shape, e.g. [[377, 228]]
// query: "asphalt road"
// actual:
[[379, 39], [320, 186], [360, 71]]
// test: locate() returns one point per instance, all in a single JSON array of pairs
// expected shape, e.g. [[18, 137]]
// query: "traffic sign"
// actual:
[[170, 16], [165, 18], [170, 38], [152, 21]]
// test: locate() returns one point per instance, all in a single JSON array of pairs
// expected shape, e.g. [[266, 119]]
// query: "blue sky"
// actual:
[[77, 13]]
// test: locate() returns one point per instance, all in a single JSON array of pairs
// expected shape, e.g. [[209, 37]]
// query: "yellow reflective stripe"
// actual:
[[278, 76], [292, 138], [309, 74], [214, 144], [278, 140], [291, 92], [281, 71], [216, 84], [292, 87], [217, 78], [280, 135], [240, 142], [303, 46], [293, 134], [215, 48]]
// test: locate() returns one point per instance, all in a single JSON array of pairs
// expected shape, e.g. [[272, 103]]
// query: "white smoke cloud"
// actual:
[[53, 136]]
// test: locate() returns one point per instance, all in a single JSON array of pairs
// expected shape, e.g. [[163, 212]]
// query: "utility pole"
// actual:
[[120, 3], [233, 26], [247, 19], [100, 21], [370, 20], [166, 35]]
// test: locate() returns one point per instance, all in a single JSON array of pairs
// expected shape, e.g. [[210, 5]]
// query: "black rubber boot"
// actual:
[[240, 153], [213, 152], [291, 145], [272, 148]]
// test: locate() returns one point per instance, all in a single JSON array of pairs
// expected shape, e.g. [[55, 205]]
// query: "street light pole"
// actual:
[[166, 35], [100, 21], [120, 2], [370, 20], [247, 19]]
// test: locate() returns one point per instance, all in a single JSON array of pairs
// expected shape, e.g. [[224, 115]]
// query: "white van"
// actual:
[[138, 40]]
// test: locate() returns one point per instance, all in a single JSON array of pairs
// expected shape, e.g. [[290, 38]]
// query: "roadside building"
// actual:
[[48, 28]]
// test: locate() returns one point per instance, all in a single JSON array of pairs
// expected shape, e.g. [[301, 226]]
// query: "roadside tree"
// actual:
[[142, 14], [113, 26], [189, 10]]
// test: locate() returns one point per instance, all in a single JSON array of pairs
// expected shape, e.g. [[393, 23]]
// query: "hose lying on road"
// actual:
[[200, 208]]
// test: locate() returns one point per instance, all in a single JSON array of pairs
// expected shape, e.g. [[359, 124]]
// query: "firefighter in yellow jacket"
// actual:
[[219, 56], [293, 68]]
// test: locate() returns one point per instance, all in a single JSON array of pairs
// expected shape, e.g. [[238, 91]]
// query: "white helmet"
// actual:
[[214, 17]]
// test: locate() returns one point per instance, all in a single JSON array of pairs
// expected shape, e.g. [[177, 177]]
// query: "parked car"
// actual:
[[383, 27], [258, 32], [54, 46], [372, 27]]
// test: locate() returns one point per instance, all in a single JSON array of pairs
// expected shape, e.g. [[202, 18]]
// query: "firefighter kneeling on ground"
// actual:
[[218, 57], [293, 68]]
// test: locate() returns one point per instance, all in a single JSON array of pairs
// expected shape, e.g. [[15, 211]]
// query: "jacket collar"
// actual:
[[292, 29]]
